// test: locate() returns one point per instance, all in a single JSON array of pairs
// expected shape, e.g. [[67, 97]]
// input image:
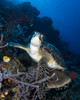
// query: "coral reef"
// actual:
[[18, 79]]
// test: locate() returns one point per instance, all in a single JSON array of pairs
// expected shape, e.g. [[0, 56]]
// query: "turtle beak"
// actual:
[[38, 35]]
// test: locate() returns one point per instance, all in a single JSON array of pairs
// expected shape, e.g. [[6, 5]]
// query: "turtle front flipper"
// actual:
[[17, 45]]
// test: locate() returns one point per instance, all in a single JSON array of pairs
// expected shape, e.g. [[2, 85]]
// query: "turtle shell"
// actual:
[[54, 52]]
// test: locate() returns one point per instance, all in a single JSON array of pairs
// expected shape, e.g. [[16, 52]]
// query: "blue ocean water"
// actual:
[[66, 18]]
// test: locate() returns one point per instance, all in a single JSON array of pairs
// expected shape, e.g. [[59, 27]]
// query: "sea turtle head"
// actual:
[[37, 39]]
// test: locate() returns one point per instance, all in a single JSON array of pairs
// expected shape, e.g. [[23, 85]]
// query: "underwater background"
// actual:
[[59, 21], [65, 16]]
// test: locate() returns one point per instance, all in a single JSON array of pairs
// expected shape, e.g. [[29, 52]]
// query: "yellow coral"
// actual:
[[2, 95], [6, 59]]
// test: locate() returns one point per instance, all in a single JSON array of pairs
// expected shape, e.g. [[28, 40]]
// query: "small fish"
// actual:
[[6, 59], [31, 25]]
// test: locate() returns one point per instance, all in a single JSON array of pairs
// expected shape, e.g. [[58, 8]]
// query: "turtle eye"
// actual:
[[41, 37]]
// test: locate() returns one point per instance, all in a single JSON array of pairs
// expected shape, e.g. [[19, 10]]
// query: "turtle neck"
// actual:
[[34, 48]]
